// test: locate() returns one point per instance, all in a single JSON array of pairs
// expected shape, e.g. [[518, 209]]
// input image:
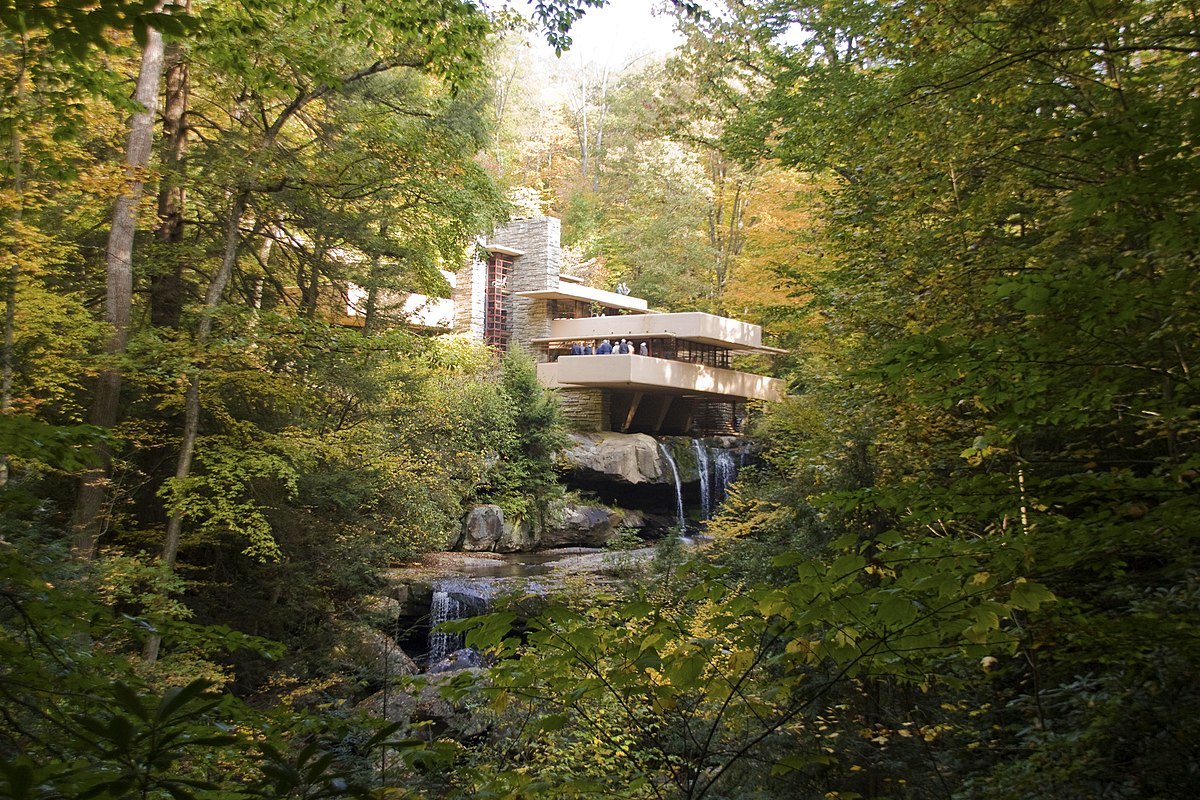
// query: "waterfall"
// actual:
[[454, 598], [443, 609], [678, 485], [706, 498], [726, 470]]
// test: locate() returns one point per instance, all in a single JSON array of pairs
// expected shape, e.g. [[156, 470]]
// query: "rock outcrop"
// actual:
[[636, 481], [631, 458], [422, 702], [483, 528], [375, 655], [486, 530], [582, 526], [517, 538], [637, 458]]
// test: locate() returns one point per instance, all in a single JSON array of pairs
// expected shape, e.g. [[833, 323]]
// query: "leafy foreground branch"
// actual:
[[706, 688], [81, 720]]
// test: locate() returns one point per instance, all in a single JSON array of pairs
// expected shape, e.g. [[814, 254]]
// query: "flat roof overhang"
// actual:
[[691, 326], [659, 375], [588, 294], [734, 347]]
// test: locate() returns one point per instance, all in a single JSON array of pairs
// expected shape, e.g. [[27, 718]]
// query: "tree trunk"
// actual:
[[503, 89], [14, 271], [191, 403], [310, 292], [602, 112], [371, 312], [166, 290], [86, 520], [584, 143]]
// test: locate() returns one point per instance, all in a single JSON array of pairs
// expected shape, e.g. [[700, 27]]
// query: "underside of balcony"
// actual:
[[651, 375]]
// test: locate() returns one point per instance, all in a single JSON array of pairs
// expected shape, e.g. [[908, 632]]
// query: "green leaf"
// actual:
[[130, 700], [685, 672], [176, 698], [552, 722], [1029, 596]]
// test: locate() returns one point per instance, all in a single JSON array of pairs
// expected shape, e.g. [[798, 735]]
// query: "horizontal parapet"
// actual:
[[648, 374], [695, 326], [587, 294]]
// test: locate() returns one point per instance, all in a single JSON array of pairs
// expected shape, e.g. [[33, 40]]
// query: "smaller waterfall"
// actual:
[[726, 470], [706, 496], [666, 451], [443, 609], [454, 598]]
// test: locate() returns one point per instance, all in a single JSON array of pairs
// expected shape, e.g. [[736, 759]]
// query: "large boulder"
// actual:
[[631, 458], [517, 538], [483, 528], [412, 591], [382, 610], [372, 654], [486, 530], [422, 701], [581, 526]]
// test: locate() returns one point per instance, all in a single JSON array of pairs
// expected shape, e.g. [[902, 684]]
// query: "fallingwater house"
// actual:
[[677, 379]]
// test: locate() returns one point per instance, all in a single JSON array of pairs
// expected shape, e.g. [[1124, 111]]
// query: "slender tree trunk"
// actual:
[[191, 403], [310, 294], [166, 289], [256, 288], [503, 89], [15, 155], [584, 138], [602, 113], [86, 521], [370, 314], [192, 398], [734, 238]]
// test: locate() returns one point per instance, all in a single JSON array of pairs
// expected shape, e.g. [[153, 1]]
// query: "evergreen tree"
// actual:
[[531, 464]]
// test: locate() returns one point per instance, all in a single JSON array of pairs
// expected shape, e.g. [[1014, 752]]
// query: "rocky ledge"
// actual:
[[485, 529], [638, 458]]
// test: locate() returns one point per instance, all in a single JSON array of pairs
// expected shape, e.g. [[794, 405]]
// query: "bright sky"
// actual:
[[619, 32]]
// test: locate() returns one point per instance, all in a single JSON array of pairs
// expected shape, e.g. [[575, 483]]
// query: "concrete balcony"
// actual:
[[658, 375], [588, 294], [694, 326]]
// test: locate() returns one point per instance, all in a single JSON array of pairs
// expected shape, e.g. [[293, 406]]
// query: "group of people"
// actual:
[[605, 347]]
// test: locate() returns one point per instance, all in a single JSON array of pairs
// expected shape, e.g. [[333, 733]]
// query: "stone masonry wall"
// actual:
[[537, 269], [469, 296], [585, 409]]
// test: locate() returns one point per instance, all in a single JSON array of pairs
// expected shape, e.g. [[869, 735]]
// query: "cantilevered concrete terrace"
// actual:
[[694, 326], [648, 374]]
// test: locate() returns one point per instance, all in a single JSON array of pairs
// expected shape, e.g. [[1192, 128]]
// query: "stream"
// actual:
[[462, 585]]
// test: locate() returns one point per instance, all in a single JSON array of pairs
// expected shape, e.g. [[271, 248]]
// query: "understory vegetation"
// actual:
[[964, 564]]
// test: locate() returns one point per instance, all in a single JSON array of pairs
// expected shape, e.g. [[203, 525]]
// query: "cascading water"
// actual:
[[454, 598], [443, 609], [706, 498], [678, 485], [726, 470]]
